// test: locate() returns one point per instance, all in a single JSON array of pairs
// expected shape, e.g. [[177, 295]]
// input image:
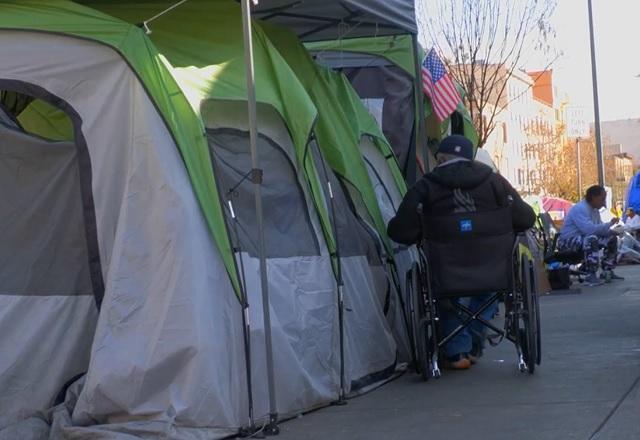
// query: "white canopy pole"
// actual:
[[256, 178]]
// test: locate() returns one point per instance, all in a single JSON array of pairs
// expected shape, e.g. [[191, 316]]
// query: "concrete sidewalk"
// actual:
[[586, 388]]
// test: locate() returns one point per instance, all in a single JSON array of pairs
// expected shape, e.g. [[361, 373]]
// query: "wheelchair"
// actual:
[[479, 255]]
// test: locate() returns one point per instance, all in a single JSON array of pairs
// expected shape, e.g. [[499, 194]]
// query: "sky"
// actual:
[[617, 31], [617, 37]]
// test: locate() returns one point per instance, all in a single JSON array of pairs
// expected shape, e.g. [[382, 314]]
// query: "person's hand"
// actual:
[[614, 221]]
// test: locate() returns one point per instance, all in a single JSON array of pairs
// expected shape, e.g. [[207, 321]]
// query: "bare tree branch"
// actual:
[[484, 43]]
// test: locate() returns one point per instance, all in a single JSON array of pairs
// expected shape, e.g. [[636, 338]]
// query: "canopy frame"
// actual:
[[256, 177]]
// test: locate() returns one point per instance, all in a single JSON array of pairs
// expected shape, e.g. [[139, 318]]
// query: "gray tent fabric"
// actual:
[[155, 364], [44, 249], [389, 198], [323, 20], [282, 195], [369, 359], [302, 288]]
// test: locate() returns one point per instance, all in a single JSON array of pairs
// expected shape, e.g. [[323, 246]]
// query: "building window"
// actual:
[[504, 133]]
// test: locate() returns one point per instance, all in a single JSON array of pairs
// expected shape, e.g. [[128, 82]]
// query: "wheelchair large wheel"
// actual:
[[412, 313], [420, 332], [536, 310], [527, 321]]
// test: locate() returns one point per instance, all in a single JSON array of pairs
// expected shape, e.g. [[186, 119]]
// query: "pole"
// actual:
[[256, 178], [420, 131], [596, 105], [579, 163], [342, 397], [246, 322]]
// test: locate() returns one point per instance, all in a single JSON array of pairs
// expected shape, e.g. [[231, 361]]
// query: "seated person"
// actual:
[[458, 184], [584, 231], [632, 224], [617, 210]]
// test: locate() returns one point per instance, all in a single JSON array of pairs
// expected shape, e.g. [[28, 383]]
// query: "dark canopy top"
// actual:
[[334, 19], [314, 20]]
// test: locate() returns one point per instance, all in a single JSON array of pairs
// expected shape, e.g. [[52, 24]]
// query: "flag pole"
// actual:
[[596, 104]]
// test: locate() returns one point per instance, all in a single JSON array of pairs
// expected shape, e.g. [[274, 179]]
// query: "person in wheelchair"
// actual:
[[584, 231], [460, 186]]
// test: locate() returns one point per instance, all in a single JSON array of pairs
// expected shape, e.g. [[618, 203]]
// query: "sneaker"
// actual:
[[593, 280], [611, 275], [473, 358], [615, 276], [475, 354], [458, 362]]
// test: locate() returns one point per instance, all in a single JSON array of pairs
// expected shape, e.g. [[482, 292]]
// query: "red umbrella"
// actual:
[[557, 208]]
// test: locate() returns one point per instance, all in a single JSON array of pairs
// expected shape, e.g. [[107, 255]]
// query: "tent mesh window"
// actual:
[[353, 238], [369, 236], [287, 225], [42, 228], [35, 116], [395, 88]]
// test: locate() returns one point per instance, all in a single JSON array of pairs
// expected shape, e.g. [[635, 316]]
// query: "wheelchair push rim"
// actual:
[[526, 322], [424, 326]]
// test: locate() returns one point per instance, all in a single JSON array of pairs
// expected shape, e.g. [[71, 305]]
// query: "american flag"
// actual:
[[438, 86]]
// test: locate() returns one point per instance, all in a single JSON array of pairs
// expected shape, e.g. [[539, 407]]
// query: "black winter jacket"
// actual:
[[457, 187]]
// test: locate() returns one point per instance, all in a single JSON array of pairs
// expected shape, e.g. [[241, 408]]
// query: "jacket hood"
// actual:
[[463, 175]]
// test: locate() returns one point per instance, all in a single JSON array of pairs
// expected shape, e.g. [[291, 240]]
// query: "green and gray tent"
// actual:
[[389, 187], [361, 160], [219, 39], [130, 235], [116, 261], [383, 71]]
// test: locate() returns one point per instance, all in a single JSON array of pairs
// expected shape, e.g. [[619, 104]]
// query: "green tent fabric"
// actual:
[[143, 57], [337, 133], [203, 44]]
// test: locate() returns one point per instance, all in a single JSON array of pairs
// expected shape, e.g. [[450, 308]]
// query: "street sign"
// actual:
[[577, 126]]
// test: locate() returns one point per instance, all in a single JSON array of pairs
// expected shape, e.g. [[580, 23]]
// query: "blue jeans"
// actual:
[[475, 332]]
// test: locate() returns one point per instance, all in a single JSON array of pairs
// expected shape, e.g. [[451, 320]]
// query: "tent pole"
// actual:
[[421, 131], [256, 178], [342, 397], [246, 323]]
